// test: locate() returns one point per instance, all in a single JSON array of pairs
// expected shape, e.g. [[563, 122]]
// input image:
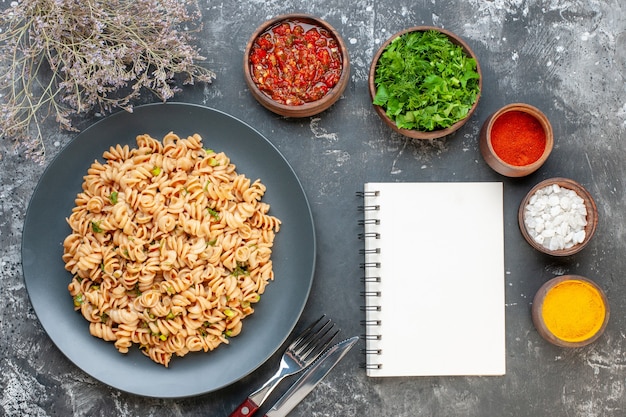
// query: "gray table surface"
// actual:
[[567, 57]]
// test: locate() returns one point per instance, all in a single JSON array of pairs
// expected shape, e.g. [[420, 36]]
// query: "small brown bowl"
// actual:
[[589, 322], [495, 161], [591, 218], [308, 108], [420, 134]]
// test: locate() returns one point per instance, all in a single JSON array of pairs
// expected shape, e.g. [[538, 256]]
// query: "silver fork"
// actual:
[[301, 353]]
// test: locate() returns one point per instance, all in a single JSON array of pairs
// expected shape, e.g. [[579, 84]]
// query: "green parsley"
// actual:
[[135, 292], [425, 82], [95, 226], [240, 270], [113, 198], [213, 213], [78, 300]]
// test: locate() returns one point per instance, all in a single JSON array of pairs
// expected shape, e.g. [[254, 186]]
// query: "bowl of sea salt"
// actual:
[[558, 217]]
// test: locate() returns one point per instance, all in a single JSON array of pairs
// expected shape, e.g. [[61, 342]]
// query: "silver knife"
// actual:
[[311, 376]]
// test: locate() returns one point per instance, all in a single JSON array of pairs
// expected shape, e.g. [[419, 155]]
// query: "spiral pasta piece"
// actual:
[[170, 247]]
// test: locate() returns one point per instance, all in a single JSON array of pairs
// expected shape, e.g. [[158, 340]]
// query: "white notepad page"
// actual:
[[441, 289]]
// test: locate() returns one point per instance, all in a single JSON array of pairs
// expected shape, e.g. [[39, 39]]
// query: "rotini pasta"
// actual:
[[170, 247]]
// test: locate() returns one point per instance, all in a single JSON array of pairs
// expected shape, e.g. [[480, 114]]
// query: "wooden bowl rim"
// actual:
[[592, 215], [307, 109], [540, 117], [418, 134], [540, 325]]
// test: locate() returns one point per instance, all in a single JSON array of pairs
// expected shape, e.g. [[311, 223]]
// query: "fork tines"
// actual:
[[314, 340]]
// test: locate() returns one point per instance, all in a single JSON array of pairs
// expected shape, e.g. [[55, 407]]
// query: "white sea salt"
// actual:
[[555, 217]]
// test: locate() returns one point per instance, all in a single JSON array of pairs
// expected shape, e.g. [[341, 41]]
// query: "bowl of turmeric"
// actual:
[[516, 140], [570, 311]]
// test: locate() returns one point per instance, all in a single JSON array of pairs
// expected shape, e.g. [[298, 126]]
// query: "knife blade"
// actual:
[[311, 377]]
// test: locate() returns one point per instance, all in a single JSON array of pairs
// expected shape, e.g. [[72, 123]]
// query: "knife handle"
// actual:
[[245, 409]]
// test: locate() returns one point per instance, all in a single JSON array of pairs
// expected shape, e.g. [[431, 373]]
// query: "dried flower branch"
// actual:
[[64, 58]]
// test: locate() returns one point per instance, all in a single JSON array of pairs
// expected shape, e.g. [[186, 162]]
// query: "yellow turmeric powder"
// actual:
[[573, 310]]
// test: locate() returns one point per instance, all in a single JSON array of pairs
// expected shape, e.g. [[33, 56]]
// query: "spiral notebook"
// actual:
[[434, 279]]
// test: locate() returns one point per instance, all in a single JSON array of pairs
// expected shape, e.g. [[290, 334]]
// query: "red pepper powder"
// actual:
[[518, 138]]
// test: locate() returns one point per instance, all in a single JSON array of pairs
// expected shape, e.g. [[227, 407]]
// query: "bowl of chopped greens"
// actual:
[[425, 82]]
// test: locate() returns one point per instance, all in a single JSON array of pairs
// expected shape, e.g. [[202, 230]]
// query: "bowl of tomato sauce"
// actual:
[[296, 65]]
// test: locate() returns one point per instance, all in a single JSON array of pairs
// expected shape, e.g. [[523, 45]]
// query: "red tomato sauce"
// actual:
[[295, 62]]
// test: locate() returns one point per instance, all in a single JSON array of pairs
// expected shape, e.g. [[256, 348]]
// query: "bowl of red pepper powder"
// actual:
[[516, 140], [296, 65]]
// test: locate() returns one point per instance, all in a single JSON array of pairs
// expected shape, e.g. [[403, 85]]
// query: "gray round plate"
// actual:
[[275, 315]]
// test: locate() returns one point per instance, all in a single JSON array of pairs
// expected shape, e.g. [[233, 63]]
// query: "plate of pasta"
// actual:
[[169, 252]]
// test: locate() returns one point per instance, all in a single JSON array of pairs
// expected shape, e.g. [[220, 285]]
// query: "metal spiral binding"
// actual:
[[369, 235], [369, 251], [367, 265], [370, 322], [367, 352], [367, 193], [369, 221], [372, 365], [374, 207]]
